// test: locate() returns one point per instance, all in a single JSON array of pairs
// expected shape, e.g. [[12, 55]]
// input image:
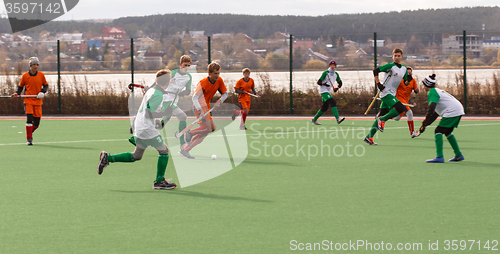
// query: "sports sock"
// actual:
[[389, 115], [182, 126], [161, 167], [411, 126], [318, 114], [29, 131], [335, 112], [243, 119], [200, 130], [438, 138], [34, 128], [122, 157], [373, 130], [453, 142]]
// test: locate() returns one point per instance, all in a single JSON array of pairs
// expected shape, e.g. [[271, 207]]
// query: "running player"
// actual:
[[403, 95], [244, 85], [326, 83], [451, 110], [391, 106], [152, 106], [180, 79], [205, 90], [34, 83]]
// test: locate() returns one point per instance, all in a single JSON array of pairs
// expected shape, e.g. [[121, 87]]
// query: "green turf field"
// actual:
[[53, 200]]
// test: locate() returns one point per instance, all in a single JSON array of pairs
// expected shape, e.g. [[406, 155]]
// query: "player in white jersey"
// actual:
[[180, 79], [451, 110], [152, 106], [326, 82], [391, 106]]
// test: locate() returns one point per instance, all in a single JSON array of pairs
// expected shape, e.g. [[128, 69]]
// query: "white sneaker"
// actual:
[[414, 134]]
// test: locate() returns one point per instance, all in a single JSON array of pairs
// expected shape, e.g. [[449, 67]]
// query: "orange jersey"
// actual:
[[33, 85], [403, 93], [206, 90], [244, 86]]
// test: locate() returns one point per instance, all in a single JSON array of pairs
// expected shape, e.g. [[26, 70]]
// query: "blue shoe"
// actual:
[[457, 158], [436, 160], [185, 154]]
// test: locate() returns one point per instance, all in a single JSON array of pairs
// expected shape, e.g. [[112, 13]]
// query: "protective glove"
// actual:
[[40, 95], [380, 86]]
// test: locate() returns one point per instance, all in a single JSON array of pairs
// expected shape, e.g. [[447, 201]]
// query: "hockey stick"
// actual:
[[376, 96], [179, 134], [18, 96], [371, 104], [404, 104], [253, 95]]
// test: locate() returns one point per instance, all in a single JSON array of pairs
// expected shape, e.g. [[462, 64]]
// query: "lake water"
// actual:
[[302, 80]]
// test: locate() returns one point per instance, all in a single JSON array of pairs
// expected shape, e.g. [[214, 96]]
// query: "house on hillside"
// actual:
[[145, 43], [317, 55], [303, 44], [116, 33]]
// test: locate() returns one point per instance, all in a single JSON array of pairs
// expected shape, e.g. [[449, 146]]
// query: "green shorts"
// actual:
[[388, 101], [154, 142], [450, 122], [325, 96]]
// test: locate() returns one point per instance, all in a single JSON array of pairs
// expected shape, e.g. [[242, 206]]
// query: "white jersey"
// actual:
[[153, 101], [178, 82], [446, 104], [393, 77], [328, 78]]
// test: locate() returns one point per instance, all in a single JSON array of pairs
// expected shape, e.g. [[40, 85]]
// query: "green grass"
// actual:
[[53, 201]]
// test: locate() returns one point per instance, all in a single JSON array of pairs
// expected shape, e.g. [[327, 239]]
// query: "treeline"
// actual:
[[428, 24]]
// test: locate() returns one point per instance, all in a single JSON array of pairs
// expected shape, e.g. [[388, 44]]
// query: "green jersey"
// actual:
[[446, 104], [178, 82], [152, 102], [328, 78], [394, 73]]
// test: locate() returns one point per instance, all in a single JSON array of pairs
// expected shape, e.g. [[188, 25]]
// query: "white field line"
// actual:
[[348, 129]]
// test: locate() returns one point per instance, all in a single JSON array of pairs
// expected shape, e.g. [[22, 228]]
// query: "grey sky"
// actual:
[[111, 9]]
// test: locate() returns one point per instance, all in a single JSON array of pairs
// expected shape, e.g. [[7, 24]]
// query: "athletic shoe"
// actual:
[[315, 122], [414, 134], [185, 154], [234, 115], [103, 162], [457, 158], [243, 128], [187, 138], [132, 140], [380, 125], [341, 120], [436, 160], [29, 142], [369, 141], [164, 185]]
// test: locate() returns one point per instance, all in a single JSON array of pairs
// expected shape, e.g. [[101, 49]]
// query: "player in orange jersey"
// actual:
[[243, 87], [202, 96], [403, 95], [34, 83]]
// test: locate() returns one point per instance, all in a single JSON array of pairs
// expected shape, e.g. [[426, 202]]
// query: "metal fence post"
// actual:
[[209, 51], [58, 78], [465, 72], [132, 74], [291, 72], [374, 67]]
